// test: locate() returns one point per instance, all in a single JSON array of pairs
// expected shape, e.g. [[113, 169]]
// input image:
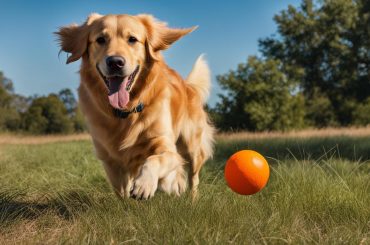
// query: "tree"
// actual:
[[6, 83], [362, 113], [73, 111], [330, 41], [47, 115], [323, 47], [9, 116], [40, 115], [78, 120], [260, 96], [68, 99]]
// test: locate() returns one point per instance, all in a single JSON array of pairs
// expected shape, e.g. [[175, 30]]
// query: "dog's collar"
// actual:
[[124, 114]]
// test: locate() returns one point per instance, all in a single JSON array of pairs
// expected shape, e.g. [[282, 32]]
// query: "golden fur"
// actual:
[[171, 138]]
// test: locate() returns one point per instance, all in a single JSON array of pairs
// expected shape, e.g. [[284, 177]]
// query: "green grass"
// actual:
[[318, 192]]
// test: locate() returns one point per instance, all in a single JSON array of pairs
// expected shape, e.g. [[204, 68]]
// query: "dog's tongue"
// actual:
[[118, 96]]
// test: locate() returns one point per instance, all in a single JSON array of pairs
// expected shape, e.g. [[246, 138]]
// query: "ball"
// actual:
[[247, 172]]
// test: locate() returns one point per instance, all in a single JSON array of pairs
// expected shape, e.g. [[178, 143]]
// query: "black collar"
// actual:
[[124, 114]]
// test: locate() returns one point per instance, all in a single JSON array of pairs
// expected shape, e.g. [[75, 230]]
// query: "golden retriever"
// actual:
[[148, 124]]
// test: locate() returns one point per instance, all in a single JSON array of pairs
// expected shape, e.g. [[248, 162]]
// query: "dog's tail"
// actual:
[[200, 78]]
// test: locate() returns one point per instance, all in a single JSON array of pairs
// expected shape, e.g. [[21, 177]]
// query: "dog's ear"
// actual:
[[159, 35], [73, 39]]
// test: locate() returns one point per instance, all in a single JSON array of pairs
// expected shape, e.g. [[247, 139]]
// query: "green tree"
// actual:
[[78, 120], [9, 116], [68, 99], [39, 115], [260, 96], [362, 113], [47, 115], [6, 83], [330, 41], [73, 111]]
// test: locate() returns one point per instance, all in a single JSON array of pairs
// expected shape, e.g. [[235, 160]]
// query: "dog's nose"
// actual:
[[115, 62]]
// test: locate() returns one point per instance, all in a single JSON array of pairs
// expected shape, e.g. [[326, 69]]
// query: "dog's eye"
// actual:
[[100, 40], [132, 39]]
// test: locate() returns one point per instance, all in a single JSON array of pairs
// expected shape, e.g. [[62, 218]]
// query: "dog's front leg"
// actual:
[[155, 167], [119, 178]]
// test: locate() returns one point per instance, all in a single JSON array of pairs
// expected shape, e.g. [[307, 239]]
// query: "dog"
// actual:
[[148, 125]]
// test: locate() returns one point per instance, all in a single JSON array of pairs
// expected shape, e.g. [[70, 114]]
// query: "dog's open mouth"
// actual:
[[119, 88]]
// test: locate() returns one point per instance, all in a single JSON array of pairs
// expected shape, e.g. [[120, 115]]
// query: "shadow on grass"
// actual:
[[350, 148], [14, 206]]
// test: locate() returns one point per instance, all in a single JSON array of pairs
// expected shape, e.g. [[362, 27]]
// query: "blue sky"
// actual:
[[228, 33]]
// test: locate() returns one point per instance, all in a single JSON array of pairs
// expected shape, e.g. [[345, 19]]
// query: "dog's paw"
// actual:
[[174, 183], [144, 186]]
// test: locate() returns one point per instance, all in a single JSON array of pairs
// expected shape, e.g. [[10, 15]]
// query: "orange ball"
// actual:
[[247, 172]]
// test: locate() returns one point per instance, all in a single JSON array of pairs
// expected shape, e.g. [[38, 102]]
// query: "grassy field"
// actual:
[[53, 190]]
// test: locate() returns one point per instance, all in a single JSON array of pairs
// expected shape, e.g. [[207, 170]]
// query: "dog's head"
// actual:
[[118, 48]]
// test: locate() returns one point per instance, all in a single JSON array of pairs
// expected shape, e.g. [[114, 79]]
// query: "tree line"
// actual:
[[54, 113], [314, 72]]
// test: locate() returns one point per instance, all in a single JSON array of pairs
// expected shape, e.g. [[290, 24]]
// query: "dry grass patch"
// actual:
[[307, 133], [17, 139]]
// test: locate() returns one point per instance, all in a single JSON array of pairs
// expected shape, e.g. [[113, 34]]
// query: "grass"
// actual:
[[318, 192]]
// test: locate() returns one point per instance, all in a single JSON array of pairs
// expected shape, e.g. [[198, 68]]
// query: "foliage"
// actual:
[[362, 113], [9, 116], [73, 111], [6, 83], [260, 97], [68, 99], [39, 115], [326, 43], [78, 120], [47, 115], [330, 41]]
